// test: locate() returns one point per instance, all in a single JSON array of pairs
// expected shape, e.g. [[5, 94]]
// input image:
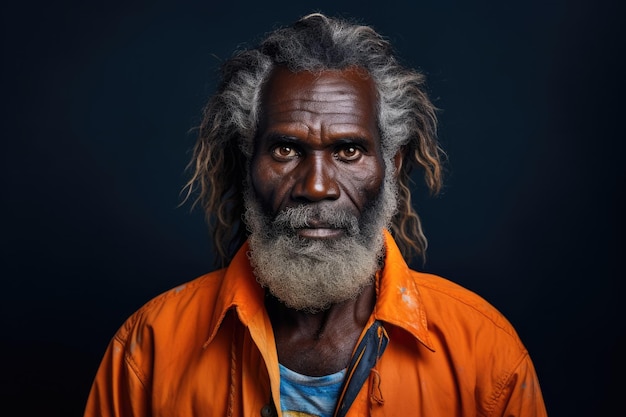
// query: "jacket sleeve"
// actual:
[[520, 395], [119, 389]]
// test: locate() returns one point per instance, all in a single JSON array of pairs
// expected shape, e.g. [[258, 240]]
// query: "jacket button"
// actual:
[[267, 411]]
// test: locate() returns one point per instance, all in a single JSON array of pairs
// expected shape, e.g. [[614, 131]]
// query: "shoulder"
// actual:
[[190, 302], [162, 336], [451, 306], [472, 344]]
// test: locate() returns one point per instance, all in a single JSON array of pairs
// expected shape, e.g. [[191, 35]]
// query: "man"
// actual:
[[302, 166]]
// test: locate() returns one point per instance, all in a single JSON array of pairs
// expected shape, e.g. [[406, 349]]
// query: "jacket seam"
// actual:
[[130, 361], [502, 384], [122, 339]]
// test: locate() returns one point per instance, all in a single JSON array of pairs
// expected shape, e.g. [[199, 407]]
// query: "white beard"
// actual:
[[311, 275]]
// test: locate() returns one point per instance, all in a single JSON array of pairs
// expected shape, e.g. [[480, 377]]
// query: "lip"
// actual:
[[320, 232]]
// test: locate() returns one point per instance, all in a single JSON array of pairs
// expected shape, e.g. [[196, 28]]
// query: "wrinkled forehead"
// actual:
[[343, 99]]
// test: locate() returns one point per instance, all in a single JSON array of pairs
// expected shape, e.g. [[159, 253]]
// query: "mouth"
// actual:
[[319, 232], [315, 229]]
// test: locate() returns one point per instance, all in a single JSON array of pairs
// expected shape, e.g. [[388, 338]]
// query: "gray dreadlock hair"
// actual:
[[406, 120]]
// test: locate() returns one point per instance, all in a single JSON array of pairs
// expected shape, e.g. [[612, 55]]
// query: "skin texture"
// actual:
[[318, 144]]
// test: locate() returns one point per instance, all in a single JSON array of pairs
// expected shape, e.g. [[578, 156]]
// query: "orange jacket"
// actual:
[[206, 348]]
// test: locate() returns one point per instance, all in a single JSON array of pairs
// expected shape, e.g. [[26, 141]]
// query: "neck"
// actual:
[[320, 343]]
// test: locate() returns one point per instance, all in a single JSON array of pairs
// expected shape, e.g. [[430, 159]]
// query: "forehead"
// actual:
[[331, 99]]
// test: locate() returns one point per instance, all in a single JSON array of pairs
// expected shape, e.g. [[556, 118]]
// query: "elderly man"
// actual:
[[302, 166]]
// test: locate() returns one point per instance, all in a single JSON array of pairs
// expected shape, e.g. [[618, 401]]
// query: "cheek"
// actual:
[[269, 185], [364, 185]]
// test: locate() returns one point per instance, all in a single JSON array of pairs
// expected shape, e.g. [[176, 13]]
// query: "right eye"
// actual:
[[284, 152]]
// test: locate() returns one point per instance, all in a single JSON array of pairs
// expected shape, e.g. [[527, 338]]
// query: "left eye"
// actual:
[[349, 153]]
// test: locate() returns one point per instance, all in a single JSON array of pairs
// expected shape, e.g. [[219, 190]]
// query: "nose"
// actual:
[[315, 180]]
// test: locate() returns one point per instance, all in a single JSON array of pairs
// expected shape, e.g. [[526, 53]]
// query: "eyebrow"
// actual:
[[348, 139], [357, 140], [278, 137]]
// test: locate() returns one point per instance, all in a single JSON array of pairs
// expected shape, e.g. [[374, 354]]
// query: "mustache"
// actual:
[[300, 217]]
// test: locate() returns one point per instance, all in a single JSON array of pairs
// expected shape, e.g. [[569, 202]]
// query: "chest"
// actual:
[[238, 376]]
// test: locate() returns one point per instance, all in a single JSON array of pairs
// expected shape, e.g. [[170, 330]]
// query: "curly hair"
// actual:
[[406, 119]]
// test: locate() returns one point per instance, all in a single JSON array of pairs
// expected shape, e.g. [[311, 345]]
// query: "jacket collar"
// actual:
[[398, 299], [239, 290]]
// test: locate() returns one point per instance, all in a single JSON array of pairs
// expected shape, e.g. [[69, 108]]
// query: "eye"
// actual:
[[284, 152], [349, 153]]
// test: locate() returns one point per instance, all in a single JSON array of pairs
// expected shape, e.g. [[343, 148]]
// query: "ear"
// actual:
[[398, 159]]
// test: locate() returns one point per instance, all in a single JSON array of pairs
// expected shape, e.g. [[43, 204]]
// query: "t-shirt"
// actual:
[[304, 396]]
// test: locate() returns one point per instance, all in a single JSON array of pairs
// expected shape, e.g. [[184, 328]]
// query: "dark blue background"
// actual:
[[98, 105]]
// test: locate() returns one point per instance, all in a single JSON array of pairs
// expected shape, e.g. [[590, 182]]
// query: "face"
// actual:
[[320, 193], [318, 144]]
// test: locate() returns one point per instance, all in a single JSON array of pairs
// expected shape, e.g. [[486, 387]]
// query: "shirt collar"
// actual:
[[239, 290], [398, 299]]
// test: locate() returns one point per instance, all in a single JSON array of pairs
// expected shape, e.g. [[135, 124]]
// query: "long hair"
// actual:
[[406, 119]]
